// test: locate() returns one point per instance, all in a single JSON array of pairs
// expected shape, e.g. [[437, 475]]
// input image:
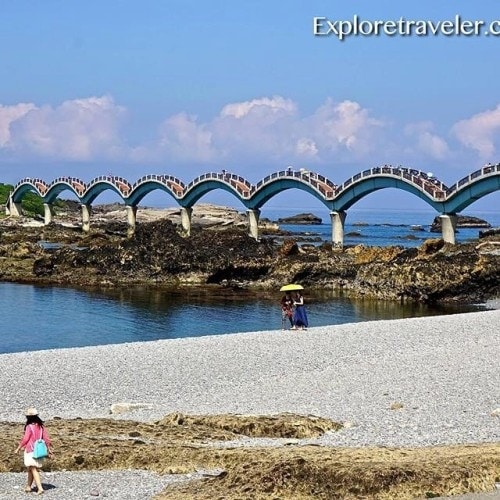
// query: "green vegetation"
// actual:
[[32, 203]]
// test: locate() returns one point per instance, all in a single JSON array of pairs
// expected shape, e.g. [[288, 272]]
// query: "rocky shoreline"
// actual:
[[159, 255]]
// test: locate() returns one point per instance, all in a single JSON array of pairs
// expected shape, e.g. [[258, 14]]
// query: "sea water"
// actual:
[[381, 227], [46, 317]]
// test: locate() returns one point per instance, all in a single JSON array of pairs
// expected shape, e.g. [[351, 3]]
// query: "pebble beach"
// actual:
[[410, 382]]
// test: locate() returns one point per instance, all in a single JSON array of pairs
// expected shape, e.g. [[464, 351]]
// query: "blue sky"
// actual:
[[185, 87]]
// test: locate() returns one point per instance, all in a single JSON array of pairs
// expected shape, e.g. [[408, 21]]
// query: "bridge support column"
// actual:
[[448, 225], [253, 222], [186, 220], [131, 219], [12, 208], [48, 213], [86, 211], [338, 219]]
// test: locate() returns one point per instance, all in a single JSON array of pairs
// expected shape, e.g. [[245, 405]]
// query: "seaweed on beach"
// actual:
[[179, 444]]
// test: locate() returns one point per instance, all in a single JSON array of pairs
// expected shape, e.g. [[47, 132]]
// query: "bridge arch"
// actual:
[[470, 189], [149, 183], [26, 185], [278, 182], [240, 188], [447, 201], [364, 186], [104, 183], [57, 186]]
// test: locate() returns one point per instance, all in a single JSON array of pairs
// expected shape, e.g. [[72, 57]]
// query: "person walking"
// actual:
[[300, 320], [286, 310], [33, 430]]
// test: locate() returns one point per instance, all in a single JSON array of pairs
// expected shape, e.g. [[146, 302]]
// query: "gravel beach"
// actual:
[[411, 382]]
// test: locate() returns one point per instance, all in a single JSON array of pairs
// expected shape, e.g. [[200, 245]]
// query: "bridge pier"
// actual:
[[253, 222], [448, 225], [13, 208], [131, 219], [48, 213], [338, 220], [86, 211], [186, 220]]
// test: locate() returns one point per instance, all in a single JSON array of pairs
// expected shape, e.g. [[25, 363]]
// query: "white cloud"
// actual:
[[427, 141], [343, 128], [8, 115], [79, 129], [276, 104], [480, 132], [306, 147], [266, 132], [270, 130], [184, 139]]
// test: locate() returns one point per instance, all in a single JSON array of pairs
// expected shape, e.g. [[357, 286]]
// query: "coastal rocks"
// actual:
[[430, 247], [158, 254], [364, 255], [452, 274], [289, 247], [489, 232], [462, 221], [305, 218]]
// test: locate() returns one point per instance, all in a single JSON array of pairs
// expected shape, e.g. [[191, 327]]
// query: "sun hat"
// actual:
[[31, 412]]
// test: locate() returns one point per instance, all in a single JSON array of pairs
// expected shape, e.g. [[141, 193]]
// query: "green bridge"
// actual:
[[338, 198]]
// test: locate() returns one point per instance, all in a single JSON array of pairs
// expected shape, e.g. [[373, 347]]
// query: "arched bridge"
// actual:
[[338, 198]]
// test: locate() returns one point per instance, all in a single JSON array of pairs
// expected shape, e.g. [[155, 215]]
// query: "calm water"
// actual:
[[50, 317], [382, 227], [35, 317]]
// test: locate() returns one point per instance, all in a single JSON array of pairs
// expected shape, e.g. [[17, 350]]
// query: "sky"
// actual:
[[184, 87]]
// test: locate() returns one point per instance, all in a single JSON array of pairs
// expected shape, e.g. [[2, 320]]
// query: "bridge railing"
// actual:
[[485, 171], [158, 177], [315, 180], [425, 182], [123, 185], [26, 180], [167, 180], [242, 186], [36, 182]]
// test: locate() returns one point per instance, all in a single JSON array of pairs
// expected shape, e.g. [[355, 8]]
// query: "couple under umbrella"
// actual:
[[293, 307]]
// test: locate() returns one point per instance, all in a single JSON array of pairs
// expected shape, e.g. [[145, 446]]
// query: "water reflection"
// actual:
[[38, 317]]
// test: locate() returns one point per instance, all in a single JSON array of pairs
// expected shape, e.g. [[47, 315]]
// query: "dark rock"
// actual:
[[462, 221], [301, 219], [159, 255], [489, 232], [431, 246], [289, 247]]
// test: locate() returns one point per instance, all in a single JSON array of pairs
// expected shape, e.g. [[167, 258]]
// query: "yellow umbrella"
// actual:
[[291, 287]]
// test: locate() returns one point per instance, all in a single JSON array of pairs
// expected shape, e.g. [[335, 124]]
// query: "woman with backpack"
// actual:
[[33, 431]]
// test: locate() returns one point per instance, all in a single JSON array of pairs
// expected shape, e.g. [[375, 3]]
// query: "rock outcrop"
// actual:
[[307, 218], [159, 255], [462, 221], [495, 231]]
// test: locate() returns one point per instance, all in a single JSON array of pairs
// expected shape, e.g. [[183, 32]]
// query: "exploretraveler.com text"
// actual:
[[341, 29]]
